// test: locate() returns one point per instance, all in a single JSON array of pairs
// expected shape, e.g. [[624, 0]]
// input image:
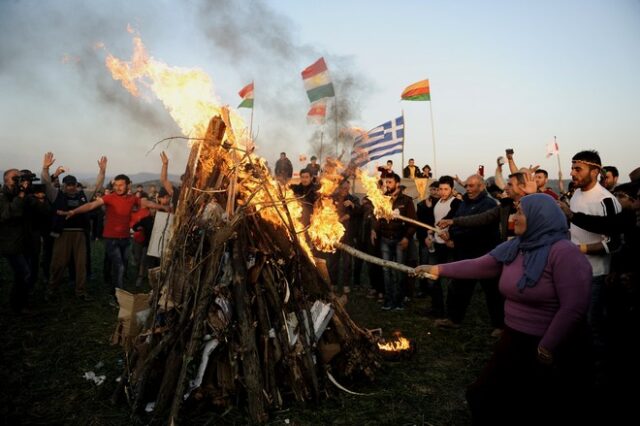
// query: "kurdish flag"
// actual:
[[318, 112], [317, 82], [247, 96], [419, 91]]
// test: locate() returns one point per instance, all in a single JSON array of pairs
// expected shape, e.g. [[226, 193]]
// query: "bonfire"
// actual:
[[240, 313]]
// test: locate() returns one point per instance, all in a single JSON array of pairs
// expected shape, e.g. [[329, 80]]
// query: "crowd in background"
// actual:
[[559, 271], [48, 223]]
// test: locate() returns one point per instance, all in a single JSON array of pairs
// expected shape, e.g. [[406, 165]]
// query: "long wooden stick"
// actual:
[[415, 222], [384, 263]]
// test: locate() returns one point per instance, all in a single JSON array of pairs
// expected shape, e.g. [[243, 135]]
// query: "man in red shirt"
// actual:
[[119, 207], [542, 177]]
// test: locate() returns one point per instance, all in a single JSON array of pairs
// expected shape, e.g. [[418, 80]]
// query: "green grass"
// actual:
[[44, 357]]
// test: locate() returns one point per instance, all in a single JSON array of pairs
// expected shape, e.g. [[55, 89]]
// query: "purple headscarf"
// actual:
[[546, 224]]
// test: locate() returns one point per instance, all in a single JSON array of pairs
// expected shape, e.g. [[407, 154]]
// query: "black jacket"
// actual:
[[12, 222], [397, 229], [477, 241]]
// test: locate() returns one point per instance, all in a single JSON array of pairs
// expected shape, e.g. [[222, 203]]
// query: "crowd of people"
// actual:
[[47, 225], [559, 271]]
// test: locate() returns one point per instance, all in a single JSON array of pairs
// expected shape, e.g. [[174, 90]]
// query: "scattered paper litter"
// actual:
[[91, 376]]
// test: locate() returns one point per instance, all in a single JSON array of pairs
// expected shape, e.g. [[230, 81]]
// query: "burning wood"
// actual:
[[397, 348], [245, 315], [383, 205]]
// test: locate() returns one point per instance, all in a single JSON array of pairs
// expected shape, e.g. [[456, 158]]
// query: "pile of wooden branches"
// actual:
[[240, 314]]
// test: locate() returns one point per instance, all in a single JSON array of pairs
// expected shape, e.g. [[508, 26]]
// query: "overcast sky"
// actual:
[[503, 74]]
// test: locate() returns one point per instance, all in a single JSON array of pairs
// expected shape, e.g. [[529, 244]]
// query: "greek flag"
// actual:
[[382, 141]]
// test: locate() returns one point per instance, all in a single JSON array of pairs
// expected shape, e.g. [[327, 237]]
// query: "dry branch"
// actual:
[[384, 263]]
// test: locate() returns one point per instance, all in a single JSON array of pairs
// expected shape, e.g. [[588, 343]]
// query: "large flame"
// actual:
[[186, 93], [189, 97], [382, 204], [326, 229]]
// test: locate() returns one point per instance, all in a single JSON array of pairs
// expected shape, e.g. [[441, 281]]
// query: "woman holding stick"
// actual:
[[540, 365]]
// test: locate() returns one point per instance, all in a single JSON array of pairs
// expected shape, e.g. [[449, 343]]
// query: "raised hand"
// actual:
[[530, 186], [164, 158], [102, 163], [48, 161], [60, 170]]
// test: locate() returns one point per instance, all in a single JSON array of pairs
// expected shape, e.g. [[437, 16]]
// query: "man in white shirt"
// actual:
[[591, 198]]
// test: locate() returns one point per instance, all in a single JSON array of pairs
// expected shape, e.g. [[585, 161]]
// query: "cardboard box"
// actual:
[[129, 324]]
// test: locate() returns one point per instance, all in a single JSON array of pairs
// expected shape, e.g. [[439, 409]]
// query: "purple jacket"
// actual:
[[553, 307]]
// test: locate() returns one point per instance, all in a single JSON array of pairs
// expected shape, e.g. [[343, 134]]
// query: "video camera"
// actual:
[[27, 176]]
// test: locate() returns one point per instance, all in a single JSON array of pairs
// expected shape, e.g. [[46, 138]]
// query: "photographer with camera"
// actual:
[[37, 216], [13, 235]]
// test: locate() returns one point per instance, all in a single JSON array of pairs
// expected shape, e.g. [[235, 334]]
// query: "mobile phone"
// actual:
[[509, 151]]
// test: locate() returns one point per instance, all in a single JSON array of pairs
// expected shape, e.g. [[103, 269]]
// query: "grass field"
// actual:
[[45, 355]]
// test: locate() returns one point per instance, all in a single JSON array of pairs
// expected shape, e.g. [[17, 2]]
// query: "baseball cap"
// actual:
[[70, 180]]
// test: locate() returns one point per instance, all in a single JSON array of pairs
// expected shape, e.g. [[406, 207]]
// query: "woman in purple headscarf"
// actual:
[[540, 365]]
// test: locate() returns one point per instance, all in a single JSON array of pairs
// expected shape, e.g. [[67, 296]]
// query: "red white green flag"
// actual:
[[247, 96], [318, 112], [419, 91], [317, 81]]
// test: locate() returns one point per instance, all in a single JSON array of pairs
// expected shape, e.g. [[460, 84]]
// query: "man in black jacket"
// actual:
[[307, 193], [469, 243], [284, 168], [411, 171], [394, 237], [13, 236]]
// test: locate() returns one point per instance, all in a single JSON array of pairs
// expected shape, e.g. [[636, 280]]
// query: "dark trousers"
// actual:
[[374, 272], [117, 250], [460, 294], [515, 388], [339, 266], [21, 277], [393, 290], [433, 288], [47, 250], [70, 245]]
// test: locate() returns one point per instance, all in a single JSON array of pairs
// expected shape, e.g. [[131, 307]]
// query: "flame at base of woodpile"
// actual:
[[397, 349], [239, 313]]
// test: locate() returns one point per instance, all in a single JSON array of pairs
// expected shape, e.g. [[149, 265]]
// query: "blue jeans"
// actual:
[[391, 250], [117, 250]]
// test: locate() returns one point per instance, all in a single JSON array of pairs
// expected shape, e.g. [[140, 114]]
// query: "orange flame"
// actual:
[[186, 93], [326, 229], [189, 97], [382, 204], [397, 345]]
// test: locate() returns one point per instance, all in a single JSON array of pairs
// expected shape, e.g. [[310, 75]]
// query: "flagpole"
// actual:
[[335, 106], [404, 140], [433, 139], [321, 142], [560, 183], [253, 106]]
